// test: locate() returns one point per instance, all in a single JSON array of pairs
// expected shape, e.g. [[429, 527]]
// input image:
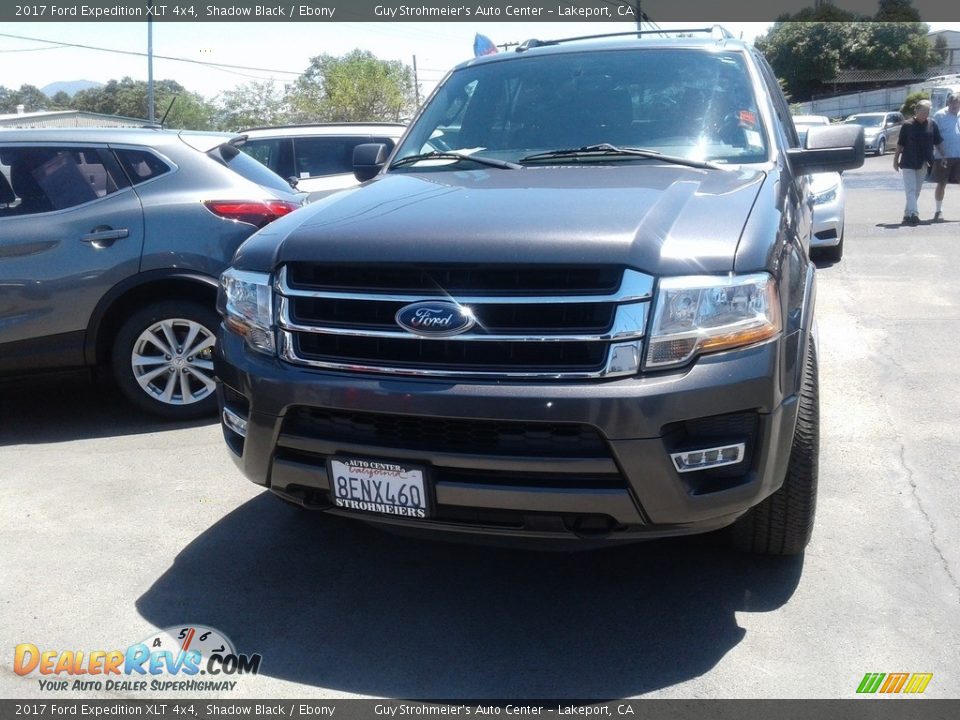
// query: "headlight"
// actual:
[[826, 196], [245, 301], [702, 314]]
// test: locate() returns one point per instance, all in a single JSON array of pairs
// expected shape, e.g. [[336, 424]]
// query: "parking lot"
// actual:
[[116, 526]]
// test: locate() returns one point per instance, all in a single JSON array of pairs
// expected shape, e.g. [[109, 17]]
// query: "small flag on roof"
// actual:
[[482, 45]]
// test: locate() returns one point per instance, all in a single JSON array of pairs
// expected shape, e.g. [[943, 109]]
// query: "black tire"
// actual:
[[182, 388], [833, 254], [881, 146], [783, 523]]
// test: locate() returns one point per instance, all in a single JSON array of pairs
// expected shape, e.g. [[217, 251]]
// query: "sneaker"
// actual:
[[914, 220], [906, 220], [938, 217]]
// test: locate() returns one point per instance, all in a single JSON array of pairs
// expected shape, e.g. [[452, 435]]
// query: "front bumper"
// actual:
[[629, 490], [828, 221]]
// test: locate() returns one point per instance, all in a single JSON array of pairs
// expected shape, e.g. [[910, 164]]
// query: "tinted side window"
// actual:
[[141, 165], [43, 179], [318, 156], [779, 102], [275, 153]]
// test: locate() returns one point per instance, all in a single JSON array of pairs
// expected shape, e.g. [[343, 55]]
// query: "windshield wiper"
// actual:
[[448, 155], [608, 150]]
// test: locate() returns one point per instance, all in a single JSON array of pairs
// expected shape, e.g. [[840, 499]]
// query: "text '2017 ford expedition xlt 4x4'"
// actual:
[[576, 302]]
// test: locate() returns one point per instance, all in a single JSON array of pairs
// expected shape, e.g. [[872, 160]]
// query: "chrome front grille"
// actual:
[[528, 325]]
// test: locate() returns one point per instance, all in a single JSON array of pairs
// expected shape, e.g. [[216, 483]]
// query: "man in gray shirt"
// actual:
[[947, 169]]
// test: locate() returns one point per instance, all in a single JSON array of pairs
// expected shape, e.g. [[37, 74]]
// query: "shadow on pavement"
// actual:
[[69, 406], [340, 605]]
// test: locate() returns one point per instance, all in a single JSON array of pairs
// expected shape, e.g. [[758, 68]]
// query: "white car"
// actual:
[[826, 190], [318, 159]]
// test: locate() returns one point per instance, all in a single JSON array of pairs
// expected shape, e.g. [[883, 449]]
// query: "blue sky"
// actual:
[[278, 50]]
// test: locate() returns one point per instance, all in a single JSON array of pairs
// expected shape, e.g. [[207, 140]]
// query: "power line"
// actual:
[[141, 54], [19, 50]]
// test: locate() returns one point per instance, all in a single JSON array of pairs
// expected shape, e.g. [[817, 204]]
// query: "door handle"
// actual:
[[101, 237]]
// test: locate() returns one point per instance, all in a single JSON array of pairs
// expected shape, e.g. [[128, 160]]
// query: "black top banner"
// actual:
[[441, 10]]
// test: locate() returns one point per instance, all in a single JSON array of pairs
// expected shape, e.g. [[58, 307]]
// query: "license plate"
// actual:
[[378, 487]]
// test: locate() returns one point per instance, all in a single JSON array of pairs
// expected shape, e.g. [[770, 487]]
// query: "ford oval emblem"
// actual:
[[435, 318]]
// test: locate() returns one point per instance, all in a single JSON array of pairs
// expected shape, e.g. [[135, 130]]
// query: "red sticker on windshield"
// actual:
[[748, 118]]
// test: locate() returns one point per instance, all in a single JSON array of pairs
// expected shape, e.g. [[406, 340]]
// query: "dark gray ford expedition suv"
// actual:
[[576, 302]]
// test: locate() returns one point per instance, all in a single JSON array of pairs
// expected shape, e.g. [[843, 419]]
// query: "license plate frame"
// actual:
[[366, 485]]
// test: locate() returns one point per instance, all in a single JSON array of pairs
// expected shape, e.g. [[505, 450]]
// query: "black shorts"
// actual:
[[948, 174]]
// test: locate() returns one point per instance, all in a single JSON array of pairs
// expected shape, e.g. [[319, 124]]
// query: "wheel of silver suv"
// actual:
[[163, 359]]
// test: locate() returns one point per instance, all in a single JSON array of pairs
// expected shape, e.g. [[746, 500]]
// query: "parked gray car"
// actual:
[[111, 243], [880, 130], [589, 318]]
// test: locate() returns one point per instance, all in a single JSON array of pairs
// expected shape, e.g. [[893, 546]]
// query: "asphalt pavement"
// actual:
[[115, 527]]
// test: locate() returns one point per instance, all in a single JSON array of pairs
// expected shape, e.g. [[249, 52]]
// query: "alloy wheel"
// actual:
[[172, 361]]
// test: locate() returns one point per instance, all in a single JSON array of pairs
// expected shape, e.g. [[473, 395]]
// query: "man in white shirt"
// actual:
[[947, 169]]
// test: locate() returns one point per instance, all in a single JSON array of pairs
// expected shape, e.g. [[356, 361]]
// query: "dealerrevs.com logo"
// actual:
[[894, 683], [186, 658]]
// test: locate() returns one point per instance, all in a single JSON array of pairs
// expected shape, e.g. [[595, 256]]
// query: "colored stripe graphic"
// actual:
[[913, 683], [870, 682], [918, 682], [894, 683]]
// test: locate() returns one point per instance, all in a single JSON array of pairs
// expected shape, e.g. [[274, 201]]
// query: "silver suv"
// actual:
[[881, 130], [574, 305], [111, 243]]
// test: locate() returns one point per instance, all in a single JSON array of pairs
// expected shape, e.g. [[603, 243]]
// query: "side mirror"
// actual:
[[368, 160], [830, 148]]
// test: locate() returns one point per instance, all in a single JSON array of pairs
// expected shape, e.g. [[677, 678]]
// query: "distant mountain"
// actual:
[[70, 87]]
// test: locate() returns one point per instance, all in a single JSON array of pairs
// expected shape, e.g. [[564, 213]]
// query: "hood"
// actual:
[[661, 219]]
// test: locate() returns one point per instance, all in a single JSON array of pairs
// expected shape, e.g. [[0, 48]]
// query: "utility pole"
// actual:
[[151, 112], [416, 82]]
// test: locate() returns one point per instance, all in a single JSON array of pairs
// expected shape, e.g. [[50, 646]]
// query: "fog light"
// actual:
[[692, 460], [235, 422]]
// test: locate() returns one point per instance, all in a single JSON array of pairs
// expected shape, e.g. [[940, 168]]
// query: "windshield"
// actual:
[[689, 103], [866, 121]]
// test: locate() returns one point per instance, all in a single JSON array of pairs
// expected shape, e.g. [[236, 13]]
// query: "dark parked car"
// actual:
[[590, 317], [111, 243]]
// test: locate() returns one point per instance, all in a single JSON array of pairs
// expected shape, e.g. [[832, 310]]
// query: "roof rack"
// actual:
[[720, 30], [321, 124]]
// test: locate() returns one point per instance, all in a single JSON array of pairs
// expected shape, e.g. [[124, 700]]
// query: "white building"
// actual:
[[66, 119]]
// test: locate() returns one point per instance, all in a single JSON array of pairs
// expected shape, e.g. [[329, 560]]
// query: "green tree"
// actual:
[[250, 105], [809, 48], [909, 106], [61, 101], [128, 98], [896, 11], [357, 87], [803, 54], [32, 99]]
